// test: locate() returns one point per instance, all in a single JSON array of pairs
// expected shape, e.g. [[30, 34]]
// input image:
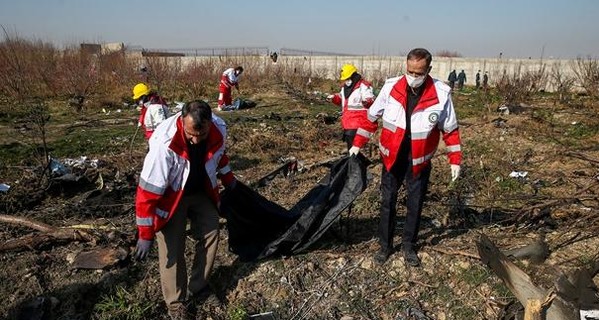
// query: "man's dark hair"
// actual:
[[199, 111], [239, 68], [420, 53]]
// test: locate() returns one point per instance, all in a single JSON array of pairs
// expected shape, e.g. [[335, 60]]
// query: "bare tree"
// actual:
[[448, 54], [33, 127], [78, 73], [562, 82], [519, 86], [162, 71], [587, 74]]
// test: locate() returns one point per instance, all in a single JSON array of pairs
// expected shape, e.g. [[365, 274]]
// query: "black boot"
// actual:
[[382, 255], [410, 257]]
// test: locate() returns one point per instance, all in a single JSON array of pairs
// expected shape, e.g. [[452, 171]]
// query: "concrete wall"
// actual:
[[378, 68]]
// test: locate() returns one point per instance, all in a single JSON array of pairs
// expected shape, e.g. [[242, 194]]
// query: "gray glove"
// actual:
[[142, 249]]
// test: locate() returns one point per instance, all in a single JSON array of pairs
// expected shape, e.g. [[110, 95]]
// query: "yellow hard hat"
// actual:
[[346, 71], [140, 89]]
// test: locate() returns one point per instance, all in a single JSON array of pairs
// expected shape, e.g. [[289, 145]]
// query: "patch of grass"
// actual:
[[444, 293], [463, 312], [581, 130], [475, 275], [94, 141], [120, 305], [501, 290], [237, 312], [509, 184]]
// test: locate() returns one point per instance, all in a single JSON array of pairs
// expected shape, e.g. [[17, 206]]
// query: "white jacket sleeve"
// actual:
[[154, 116], [378, 107], [367, 93]]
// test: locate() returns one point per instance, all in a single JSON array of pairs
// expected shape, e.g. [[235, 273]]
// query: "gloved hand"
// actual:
[[455, 171], [354, 151], [142, 249], [330, 97]]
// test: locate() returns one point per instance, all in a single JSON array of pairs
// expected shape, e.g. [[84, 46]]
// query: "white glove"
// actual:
[[455, 171], [330, 97], [354, 151]]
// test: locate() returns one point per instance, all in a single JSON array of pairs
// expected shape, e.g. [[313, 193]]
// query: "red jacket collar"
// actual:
[[429, 95], [179, 142]]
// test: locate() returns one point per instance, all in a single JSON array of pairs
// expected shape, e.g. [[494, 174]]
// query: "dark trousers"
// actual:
[[416, 186], [348, 137]]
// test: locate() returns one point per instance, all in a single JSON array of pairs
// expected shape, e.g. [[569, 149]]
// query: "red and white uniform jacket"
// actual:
[[228, 79], [433, 117], [152, 114], [165, 172], [354, 110]]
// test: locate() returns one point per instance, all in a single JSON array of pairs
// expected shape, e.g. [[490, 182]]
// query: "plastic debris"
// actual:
[[4, 187], [518, 174], [178, 106], [57, 168]]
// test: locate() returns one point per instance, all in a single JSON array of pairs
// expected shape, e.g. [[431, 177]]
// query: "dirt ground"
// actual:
[[556, 147]]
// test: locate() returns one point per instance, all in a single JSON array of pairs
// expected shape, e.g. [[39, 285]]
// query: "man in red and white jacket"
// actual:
[[355, 98], [228, 80], [416, 111], [179, 182]]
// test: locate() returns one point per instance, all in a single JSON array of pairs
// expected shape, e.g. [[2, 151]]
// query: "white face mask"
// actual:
[[415, 82], [348, 83]]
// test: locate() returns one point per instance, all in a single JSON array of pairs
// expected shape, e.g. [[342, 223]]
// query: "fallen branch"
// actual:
[[49, 234], [456, 252], [581, 157], [519, 283], [25, 222], [534, 211]]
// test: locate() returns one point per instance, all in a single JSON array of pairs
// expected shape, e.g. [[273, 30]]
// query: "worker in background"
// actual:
[[153, 108], [355, 97], [228, 80]]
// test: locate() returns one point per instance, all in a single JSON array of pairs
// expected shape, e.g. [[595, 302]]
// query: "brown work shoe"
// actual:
[[179, 311]]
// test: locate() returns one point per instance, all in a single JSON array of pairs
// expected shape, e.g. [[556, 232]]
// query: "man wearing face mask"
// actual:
[[355, 98], [416, 110], [178, 182], [153, 108]]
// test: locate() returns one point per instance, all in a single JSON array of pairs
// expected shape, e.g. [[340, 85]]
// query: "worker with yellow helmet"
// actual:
[[355, 97], [153, 108]]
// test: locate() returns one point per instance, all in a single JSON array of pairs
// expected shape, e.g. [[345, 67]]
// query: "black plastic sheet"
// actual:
[[259, 228]]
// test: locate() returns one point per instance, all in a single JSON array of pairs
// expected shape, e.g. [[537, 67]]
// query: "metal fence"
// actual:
[[234, 51]]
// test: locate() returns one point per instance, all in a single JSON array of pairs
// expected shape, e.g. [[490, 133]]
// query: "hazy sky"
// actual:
[[474, 28]]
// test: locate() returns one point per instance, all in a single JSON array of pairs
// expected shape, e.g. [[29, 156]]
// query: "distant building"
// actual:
[[105, 48]]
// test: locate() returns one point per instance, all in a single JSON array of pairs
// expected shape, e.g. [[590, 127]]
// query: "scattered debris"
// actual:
[[262, 316], [100, 258], [519, 283], [519, 174], [4, 187], [288, 168], [499, 122], [503, 109], [49, 234], [535, 252]]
